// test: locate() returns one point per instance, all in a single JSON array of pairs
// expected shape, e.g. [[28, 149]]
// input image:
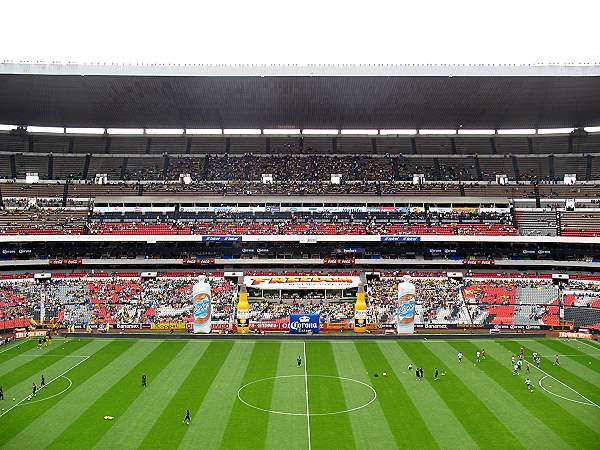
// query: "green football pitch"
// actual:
[[251, 394]]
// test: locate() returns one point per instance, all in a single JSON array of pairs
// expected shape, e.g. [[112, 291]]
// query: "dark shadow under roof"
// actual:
[[332, 101]]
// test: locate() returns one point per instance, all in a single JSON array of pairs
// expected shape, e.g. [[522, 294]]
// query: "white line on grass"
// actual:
[[55, 395], [14, 346], [306, 389], [591, 403], [33, 355], [589, 345], [47, 384]]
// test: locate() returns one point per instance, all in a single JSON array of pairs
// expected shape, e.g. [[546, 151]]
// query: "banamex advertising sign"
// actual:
[[304, 323]]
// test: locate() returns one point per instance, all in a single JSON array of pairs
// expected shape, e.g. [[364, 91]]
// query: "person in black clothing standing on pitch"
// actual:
[[144, 380], [187, 419], [299, 361], [1, 393]]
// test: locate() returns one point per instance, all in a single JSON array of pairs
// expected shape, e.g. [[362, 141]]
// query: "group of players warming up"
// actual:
[[517, 364]]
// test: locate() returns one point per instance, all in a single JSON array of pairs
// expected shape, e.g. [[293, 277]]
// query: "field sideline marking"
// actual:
[[10, 347], [591, 403], [30, 355], [588, 344], [306, 386], [47, 384]]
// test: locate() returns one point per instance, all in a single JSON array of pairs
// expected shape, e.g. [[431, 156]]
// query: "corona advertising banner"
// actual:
[[405, 315], [201, 299], [243, 312], [304, 323], [360, 311]]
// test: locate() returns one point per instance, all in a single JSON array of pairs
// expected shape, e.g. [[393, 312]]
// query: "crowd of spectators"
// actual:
[[84, 299]]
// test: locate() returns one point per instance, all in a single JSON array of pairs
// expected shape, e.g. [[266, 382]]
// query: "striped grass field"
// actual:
[[247, 394]]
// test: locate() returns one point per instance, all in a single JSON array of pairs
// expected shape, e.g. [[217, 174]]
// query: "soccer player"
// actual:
[[43, 383], [410, 366], [528, 383], [299, 361], [417, 373], [538, 360], [483, 353], [512, 360], [522, 350], [519, 364], [535, 355], [514, 369], [1, 393], [478, 354], [527, 368], [556, 360], [187, 419], [460, 357], [435, 374], [33, 389], [520, 357], [144, 380], [421, 374]]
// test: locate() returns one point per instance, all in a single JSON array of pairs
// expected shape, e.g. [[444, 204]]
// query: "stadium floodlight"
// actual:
[[85, 130], [203, 131], [404, 132], [555, 130], [517, 131], [447, 131], [125, 130], [7, 127], [319, 131], [45, 129], [480, 132], [164, 130], [242, 131], [360, 132], [592, 129], [283, 131]]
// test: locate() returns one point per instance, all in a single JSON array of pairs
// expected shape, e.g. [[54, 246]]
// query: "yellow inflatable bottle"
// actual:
[[243, 312], [360, 311]]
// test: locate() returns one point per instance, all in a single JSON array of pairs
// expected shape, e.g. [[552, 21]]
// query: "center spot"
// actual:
[[327, 395]]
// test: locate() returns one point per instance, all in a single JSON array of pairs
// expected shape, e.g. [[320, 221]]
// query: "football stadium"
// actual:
[[301, 257]]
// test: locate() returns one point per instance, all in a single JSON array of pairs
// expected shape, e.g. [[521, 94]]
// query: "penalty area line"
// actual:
[[47, 384], [590, 403]]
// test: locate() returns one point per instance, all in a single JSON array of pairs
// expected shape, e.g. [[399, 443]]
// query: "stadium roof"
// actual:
[[341, 97]]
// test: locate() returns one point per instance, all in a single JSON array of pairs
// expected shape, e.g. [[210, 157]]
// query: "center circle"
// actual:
[[250, 394]]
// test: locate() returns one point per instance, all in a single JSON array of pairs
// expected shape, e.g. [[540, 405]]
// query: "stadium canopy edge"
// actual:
[[310, 70]]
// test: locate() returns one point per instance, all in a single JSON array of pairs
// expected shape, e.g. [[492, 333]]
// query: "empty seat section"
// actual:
[[32, 163], [112, 166], [67, 166], [473, 145], [492, 166], [511, 145]]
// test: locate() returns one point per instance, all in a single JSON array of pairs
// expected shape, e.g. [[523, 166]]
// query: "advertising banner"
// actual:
[[405, 315], [304, 323], [221, 238], [400, 238], [301, 282], [168, 326], [201, 298]]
